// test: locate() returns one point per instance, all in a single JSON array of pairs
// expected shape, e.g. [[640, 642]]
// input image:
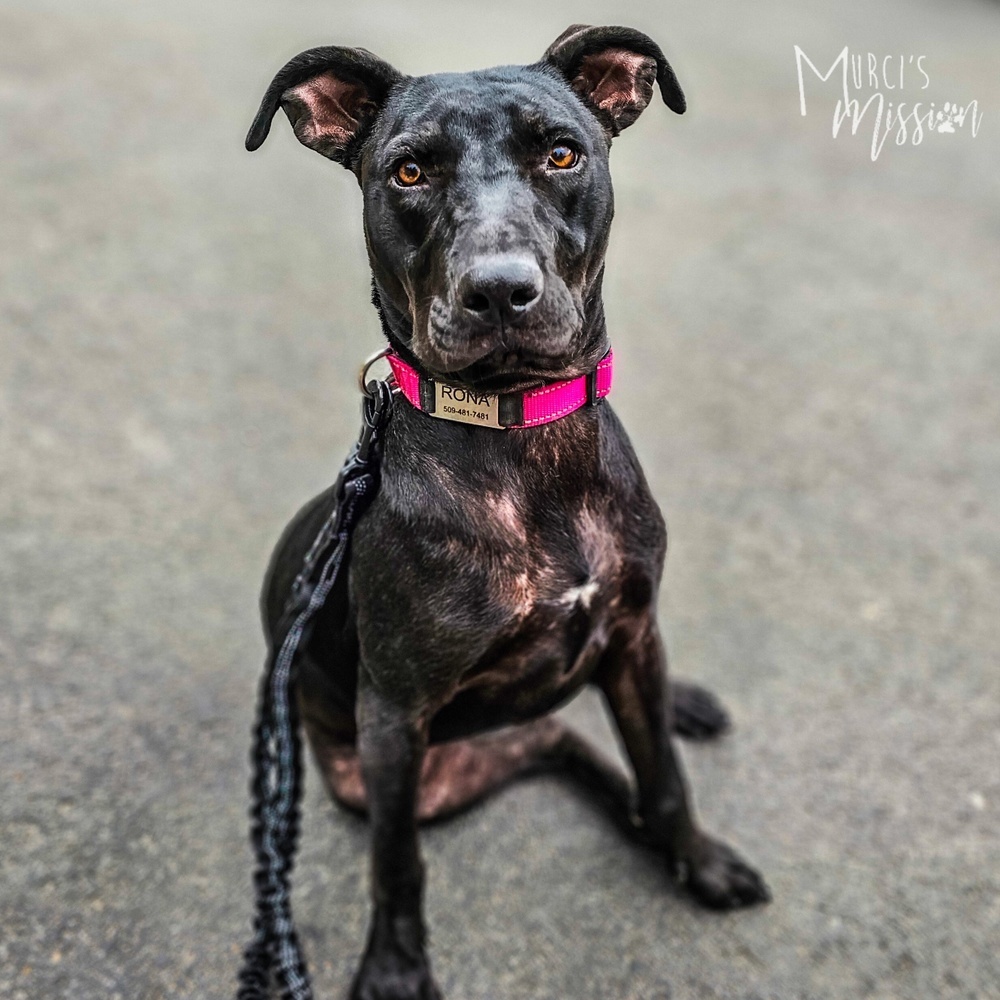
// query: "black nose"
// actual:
[[500, 289]]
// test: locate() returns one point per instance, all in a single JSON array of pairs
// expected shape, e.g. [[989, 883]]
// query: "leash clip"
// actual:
[[374, 410]]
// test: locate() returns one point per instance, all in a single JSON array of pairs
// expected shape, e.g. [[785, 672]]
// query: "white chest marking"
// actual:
[[582, 595]]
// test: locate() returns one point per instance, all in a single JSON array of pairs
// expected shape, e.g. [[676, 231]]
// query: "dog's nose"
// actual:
[[501, 289]]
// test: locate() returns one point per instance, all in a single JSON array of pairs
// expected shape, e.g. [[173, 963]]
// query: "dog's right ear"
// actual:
[[331, 96]]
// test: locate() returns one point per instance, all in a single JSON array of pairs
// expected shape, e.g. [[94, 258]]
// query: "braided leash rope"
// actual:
[[276, 787]]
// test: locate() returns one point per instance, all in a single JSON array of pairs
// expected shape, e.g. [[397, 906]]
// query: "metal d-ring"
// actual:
[[363, 374]]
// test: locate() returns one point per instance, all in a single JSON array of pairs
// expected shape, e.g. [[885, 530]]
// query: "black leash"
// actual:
[[276, 788]]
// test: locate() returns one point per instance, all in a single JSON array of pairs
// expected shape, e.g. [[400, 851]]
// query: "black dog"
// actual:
[[497, 571]]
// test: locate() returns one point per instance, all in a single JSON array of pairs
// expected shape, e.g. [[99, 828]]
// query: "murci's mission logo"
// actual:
[[872, 91]]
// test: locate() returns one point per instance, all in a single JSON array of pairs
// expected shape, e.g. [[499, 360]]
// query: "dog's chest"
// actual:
[[500, 574], [559, 564], [555, 581]]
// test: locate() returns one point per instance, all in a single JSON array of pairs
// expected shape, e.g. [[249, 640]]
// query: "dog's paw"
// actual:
[[391, 973], [698, 714], [719, 878]]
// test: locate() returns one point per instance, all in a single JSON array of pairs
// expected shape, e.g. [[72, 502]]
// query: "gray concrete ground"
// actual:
[[809, 351]]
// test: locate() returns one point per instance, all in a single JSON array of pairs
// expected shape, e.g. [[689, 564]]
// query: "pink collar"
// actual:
[[504, 411]]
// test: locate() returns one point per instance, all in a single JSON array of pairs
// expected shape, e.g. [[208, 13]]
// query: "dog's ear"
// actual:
[[331, 96], [614, 69]]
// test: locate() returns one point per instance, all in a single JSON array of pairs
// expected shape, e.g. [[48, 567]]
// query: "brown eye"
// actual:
[[409, 173], [563, 156]]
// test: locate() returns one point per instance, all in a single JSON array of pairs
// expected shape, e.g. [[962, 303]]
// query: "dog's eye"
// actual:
[[562, 156], [409, 173]]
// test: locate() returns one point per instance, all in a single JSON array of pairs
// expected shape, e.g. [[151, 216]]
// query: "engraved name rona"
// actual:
[[458, 394]]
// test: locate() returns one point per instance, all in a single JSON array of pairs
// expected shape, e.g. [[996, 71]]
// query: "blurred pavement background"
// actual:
[[809, 347]]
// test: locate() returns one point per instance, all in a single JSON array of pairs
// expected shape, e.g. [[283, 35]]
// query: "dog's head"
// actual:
[[487, 195]]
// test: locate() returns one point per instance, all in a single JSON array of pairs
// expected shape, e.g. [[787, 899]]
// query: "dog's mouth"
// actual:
[[497, 358], [507, 369], [499, 367]]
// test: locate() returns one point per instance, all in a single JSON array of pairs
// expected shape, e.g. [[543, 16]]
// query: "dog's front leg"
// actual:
[[391, 744], [633, 679]]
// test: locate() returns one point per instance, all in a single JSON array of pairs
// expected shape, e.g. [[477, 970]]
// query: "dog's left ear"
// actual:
[[331, 96], [614, 69]]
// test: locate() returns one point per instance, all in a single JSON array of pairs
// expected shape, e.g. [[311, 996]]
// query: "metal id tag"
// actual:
[[454, 402]]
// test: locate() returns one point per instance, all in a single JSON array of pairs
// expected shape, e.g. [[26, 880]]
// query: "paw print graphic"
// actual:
[[950, 116]]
